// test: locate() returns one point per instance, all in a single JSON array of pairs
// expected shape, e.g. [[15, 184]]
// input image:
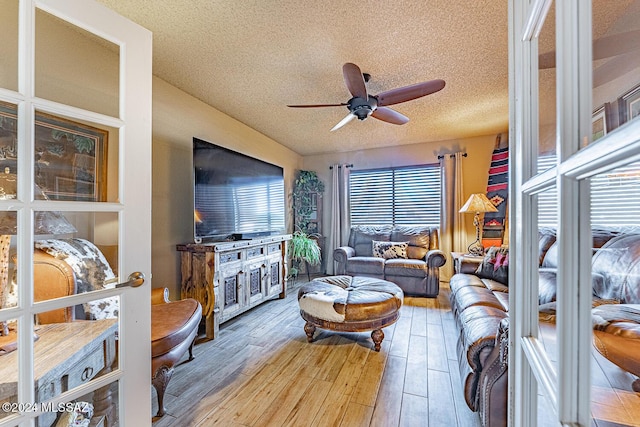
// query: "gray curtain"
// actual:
[[453, 234], [339, 213]]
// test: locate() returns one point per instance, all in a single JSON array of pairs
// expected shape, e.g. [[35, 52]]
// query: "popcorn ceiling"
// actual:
[[250, 59]]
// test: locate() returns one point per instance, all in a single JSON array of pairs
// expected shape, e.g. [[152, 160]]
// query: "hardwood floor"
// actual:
[[260, 371]]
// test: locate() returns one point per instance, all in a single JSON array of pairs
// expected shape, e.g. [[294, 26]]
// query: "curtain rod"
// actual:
[[441, 156], [350, 165]]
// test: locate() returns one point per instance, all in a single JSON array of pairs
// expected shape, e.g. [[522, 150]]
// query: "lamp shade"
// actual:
[[478, 203]]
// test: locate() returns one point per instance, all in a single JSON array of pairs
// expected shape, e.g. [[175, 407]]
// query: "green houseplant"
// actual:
[[303, 248]]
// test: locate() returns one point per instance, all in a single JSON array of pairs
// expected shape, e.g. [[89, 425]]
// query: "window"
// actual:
[[398, 196], [615, 197]]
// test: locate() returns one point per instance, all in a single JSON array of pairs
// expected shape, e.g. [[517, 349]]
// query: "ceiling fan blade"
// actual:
[[604, 47], [407, 93], [617, 44], [317, 105], [616, 67], [390, 116], [343, 122], [354, 80]]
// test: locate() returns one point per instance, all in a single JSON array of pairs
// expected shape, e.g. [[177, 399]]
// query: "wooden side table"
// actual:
[[67, 355], [465, 263]]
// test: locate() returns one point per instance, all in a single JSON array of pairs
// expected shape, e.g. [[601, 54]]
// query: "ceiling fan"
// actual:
[[363, 105]]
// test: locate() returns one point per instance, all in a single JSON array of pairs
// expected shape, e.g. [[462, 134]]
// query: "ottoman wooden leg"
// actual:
[[377, 336], [309, 329]]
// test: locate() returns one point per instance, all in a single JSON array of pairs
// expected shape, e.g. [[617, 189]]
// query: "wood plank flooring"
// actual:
[[260, 371]]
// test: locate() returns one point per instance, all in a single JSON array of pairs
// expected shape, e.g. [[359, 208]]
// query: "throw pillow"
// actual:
[[495, 265], [389, 250]]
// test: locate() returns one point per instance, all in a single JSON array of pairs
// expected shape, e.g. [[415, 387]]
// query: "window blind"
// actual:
[[406, 196], [547, 200], [615, 197]]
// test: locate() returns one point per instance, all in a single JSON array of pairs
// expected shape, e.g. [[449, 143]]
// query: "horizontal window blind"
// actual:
[[615, 197], [547, 200], [407, 196]]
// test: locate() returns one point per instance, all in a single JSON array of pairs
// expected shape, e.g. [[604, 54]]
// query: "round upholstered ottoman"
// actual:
[[350, 304]]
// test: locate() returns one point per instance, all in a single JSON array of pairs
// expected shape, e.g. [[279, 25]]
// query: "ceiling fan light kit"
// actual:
[[363, 105]]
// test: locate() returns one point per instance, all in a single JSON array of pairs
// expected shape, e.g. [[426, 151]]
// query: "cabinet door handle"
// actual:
[[87, 374]]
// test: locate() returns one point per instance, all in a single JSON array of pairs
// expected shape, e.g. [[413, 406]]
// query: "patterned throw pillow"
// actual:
[[495, 265], [389, 250]]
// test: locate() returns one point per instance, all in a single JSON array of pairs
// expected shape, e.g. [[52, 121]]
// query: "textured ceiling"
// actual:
[[249, 59]]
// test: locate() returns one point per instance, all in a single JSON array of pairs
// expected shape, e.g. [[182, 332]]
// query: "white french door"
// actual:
[[556, 89], [75, 214]]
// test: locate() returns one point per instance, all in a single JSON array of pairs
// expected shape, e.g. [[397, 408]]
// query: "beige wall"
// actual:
[[476, 164], [177, 118]]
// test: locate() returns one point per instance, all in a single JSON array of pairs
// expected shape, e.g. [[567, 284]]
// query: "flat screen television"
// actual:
[[235, 196]]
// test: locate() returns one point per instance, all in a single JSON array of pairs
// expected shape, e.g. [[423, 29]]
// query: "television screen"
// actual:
[[235, 194]]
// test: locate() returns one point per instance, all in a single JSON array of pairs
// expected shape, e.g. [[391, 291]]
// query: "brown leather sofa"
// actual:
[[480, 307], [416, 274]]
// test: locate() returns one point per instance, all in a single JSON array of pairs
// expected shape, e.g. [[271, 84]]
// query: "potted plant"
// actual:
[[303, 248]]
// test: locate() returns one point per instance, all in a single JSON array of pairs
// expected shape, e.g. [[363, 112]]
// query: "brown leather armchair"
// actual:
[[52, 278], [174, 326]]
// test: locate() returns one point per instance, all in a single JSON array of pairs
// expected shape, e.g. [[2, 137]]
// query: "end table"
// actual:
[[465, 263]]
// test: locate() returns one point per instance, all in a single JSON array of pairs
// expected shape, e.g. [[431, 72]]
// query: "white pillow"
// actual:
[[389, 250]]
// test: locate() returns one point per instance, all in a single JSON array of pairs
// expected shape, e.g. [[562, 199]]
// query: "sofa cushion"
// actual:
[[389, 250], [365, 266], [405, 267], [361, 237], [418, 239], [495, 265], [618, 261], [475, 295]]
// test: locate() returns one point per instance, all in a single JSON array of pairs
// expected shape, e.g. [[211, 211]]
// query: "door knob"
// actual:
[[134, 280]]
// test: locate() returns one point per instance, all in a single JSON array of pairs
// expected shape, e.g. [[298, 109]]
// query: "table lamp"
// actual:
[[45, 222], [477, 203]]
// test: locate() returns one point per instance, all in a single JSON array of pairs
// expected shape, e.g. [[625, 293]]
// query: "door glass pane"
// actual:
[[8, 299], [8, 148], [547, 301], [616, 65], [547, 87], [9, 45], [75, 160], [615, 276], [75, 67], [72, 353], [9, 368], [82, 246]]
